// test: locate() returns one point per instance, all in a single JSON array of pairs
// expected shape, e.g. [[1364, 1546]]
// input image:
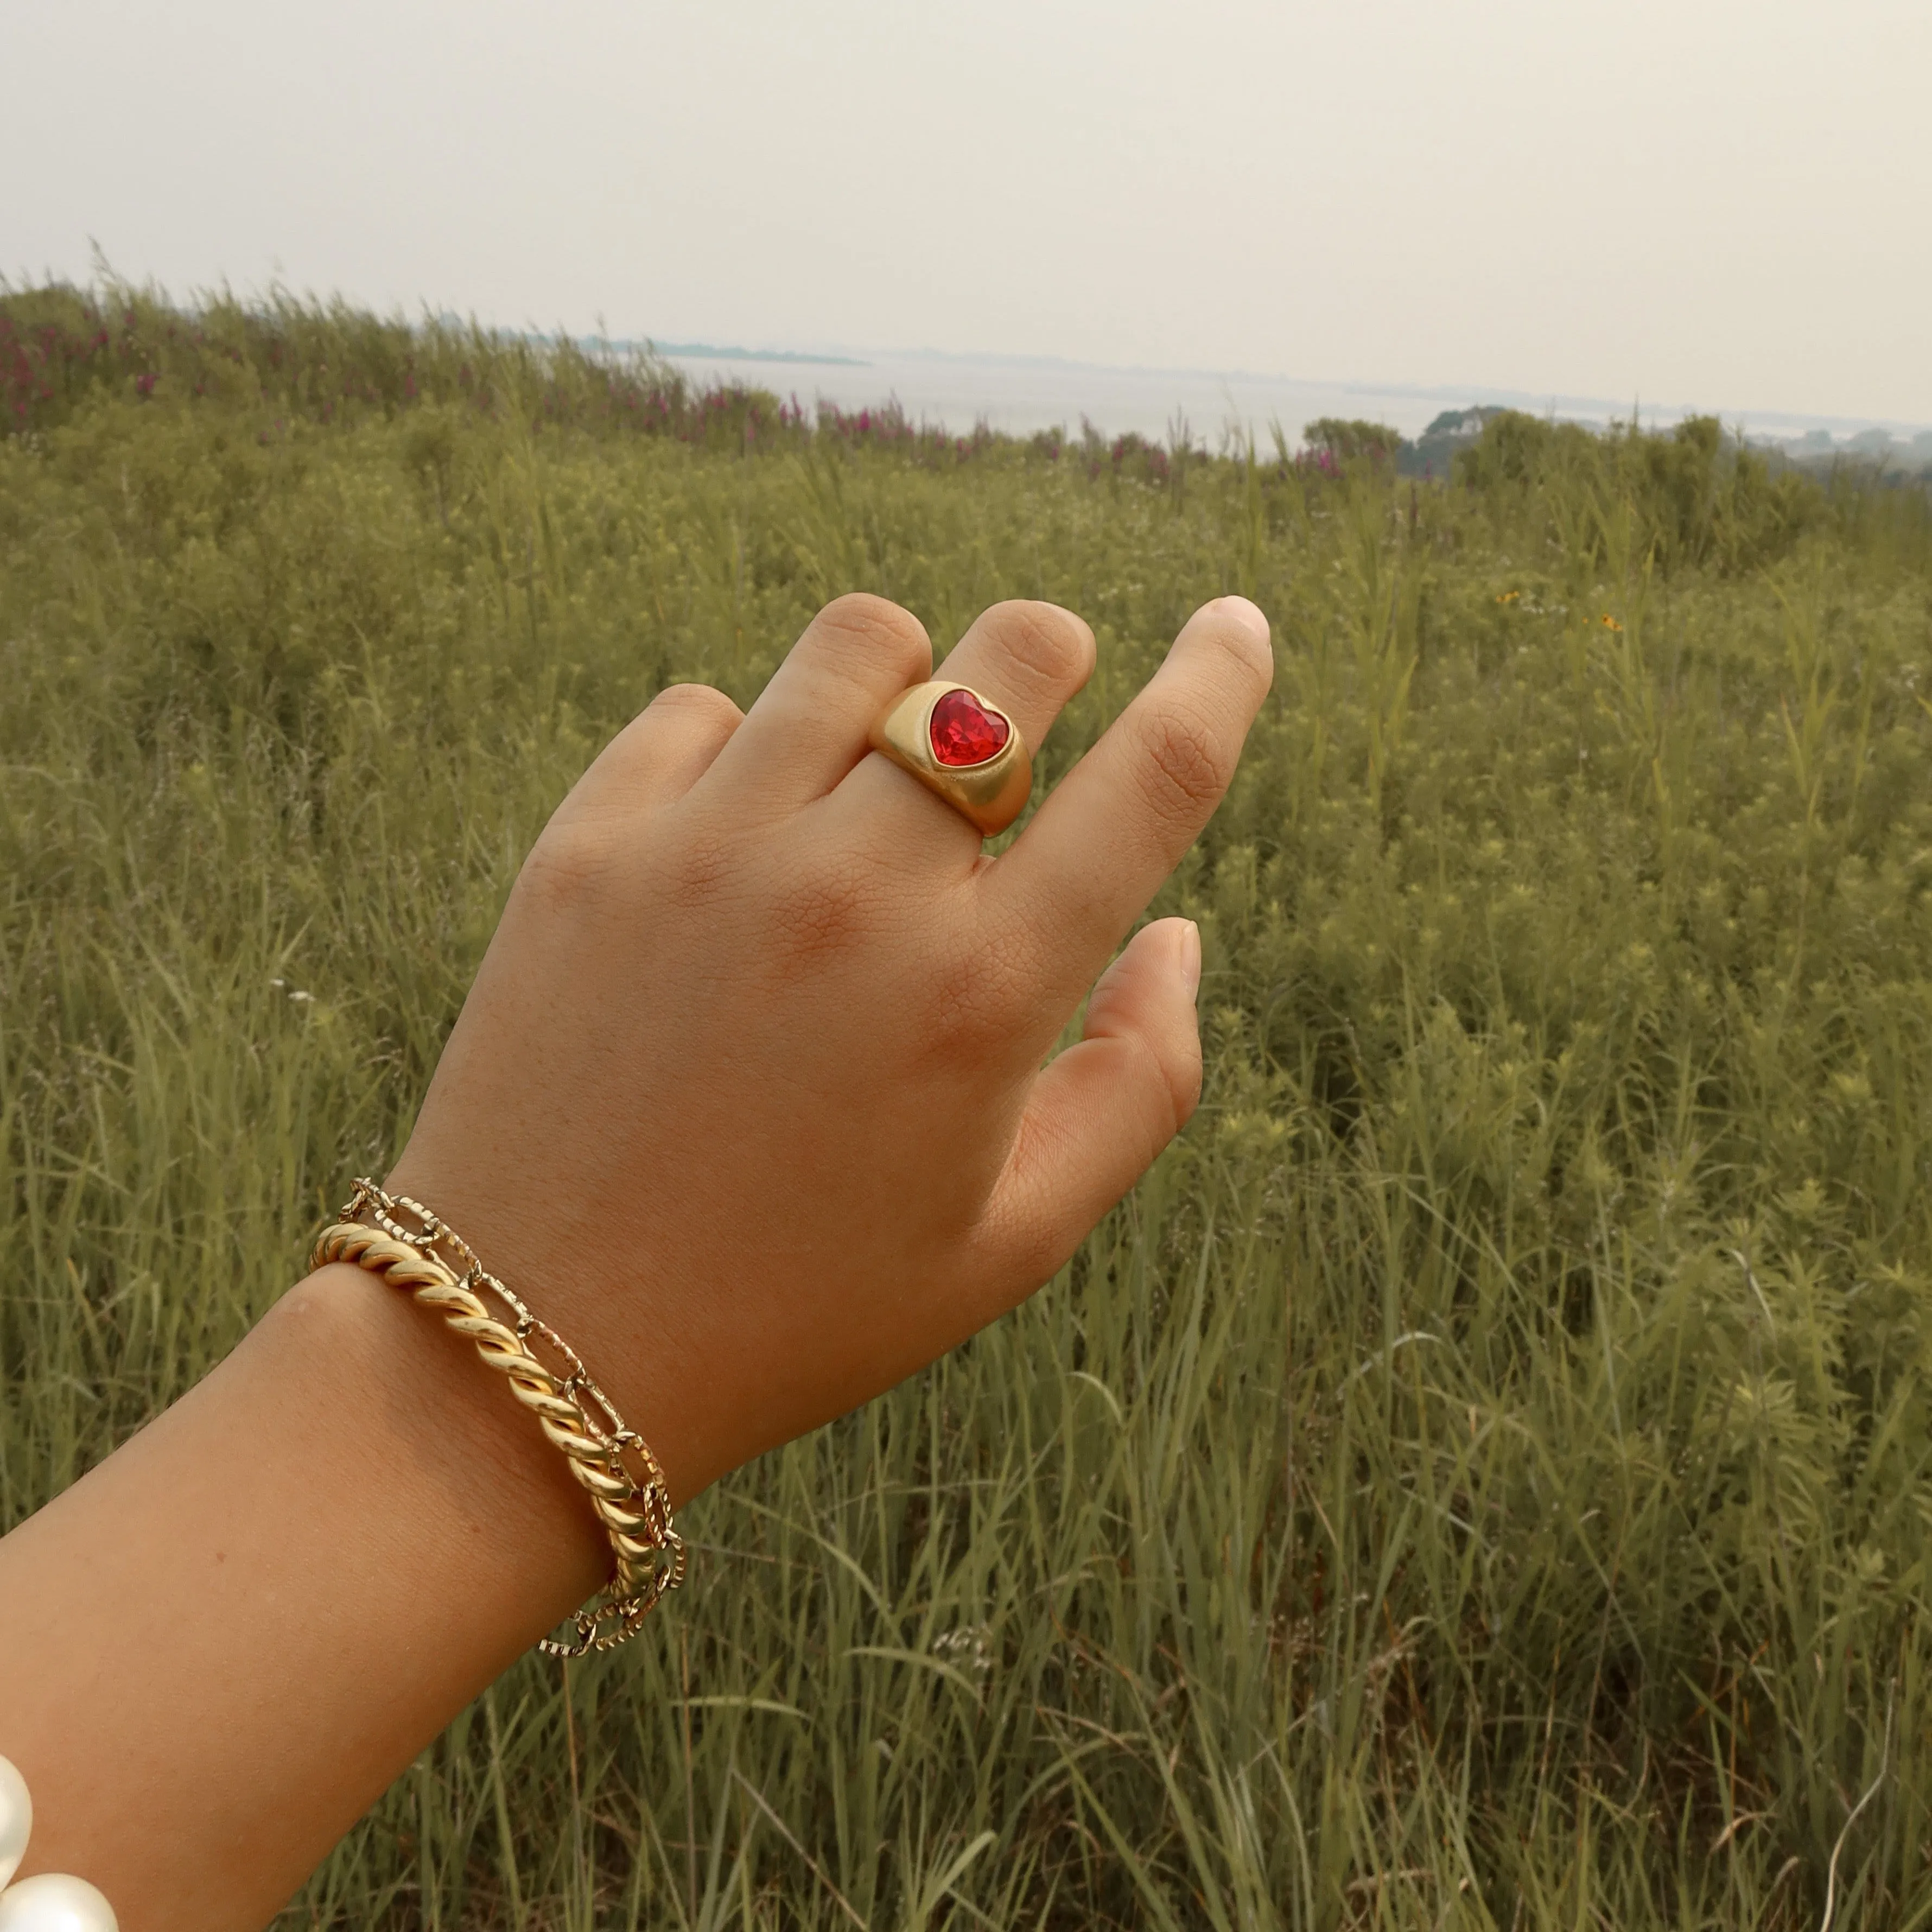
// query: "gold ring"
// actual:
[[961, 746]]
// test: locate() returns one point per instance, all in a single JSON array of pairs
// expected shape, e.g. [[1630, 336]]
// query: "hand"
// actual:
[[747, 1100]]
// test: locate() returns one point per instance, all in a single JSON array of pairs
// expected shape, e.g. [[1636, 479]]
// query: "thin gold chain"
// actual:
[[634, 1510]]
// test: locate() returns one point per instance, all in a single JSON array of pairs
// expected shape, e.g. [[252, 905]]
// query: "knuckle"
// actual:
[[569, 866], [700, 701], [820, 912], [873, 629], [1159, 1092], [1177, 1069], [1185, 768], [1051, 645], [698, 868]]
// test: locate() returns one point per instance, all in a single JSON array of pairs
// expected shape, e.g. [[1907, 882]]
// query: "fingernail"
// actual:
[[1252, 615], [1190, 957]]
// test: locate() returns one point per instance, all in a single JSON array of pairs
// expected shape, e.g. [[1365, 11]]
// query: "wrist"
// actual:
[[634, 1339], [402, 1242], [484, 1491]]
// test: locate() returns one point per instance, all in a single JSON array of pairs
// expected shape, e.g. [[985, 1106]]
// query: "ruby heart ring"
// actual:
[[960, 746]]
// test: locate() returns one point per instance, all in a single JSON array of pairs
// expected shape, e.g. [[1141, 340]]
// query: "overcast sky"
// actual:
[[1726, 202]]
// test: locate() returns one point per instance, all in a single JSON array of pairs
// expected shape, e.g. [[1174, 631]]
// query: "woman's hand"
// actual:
[[747, 1098], [748, 1101]]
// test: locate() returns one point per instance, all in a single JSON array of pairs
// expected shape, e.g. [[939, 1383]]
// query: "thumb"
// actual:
[[1099, 1114]]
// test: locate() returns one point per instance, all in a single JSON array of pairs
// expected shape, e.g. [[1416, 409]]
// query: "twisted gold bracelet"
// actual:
[[634, 1511]]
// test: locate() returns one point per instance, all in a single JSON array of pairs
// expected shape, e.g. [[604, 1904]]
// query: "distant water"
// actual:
[[1020, 395]]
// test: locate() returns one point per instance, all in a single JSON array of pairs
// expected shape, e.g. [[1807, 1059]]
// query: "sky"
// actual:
[[1726, 203]]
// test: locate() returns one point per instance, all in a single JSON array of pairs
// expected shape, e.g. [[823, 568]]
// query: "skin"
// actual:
[[748, 1100]]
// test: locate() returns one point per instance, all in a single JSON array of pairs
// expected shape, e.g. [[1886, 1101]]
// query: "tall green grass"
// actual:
[[1482, 1476]]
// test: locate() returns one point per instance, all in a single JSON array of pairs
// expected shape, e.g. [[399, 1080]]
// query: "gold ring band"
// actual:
[[961, 746]]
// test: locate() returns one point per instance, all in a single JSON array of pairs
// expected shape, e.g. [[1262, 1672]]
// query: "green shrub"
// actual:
[[1693, 498]]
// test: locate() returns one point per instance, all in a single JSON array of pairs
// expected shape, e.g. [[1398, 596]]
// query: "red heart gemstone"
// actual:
[[964, 732]]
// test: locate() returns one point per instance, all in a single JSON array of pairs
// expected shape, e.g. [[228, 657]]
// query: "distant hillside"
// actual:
[[1433, 453], [1892, 455], [711, 352]]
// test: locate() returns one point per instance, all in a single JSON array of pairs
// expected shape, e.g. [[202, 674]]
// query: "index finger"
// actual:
[[1118, 824]]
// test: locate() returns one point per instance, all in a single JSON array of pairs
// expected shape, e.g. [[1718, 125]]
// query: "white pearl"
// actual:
[[55, 1903], [16, 1820]]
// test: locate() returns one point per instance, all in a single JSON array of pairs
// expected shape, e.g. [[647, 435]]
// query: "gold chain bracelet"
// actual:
[[634, 1511]]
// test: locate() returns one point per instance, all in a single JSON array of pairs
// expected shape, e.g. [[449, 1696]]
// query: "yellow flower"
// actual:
[[1609, 622]]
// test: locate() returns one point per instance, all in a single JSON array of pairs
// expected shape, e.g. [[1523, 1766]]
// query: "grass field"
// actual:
[[1483, 1477]]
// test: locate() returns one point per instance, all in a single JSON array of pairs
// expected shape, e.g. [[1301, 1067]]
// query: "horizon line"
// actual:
[[1467, 393]]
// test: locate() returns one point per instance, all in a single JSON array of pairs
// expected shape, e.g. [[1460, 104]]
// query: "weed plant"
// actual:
[[1481, 1478]]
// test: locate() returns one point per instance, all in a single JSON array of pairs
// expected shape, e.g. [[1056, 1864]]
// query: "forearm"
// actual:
[[220, 1646]]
